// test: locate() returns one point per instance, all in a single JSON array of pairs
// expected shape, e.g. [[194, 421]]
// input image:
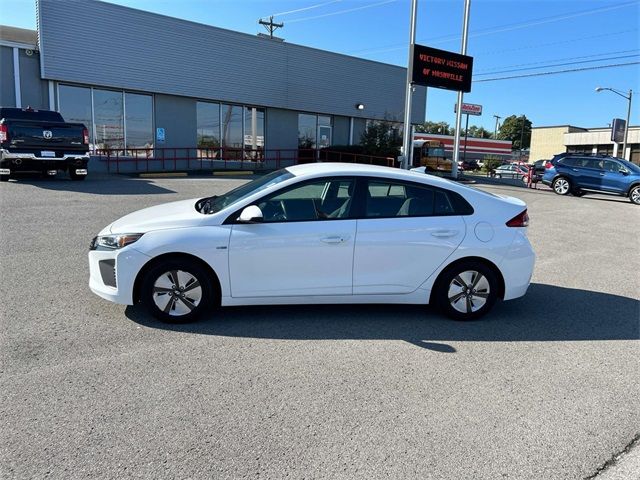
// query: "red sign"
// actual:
[[469, 108], [441, 69]]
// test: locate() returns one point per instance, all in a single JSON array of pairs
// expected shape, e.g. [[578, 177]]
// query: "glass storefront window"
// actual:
[[109, 118], [232, 126], [307, 130], [75, 106], [208, 124], [253, 128], [253, 132], [139, 120]]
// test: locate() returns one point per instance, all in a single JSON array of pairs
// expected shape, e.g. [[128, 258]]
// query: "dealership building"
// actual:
[[143, 81], [548, 141]]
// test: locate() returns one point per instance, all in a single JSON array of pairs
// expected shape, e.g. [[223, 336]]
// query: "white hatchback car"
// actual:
[[319, 233]]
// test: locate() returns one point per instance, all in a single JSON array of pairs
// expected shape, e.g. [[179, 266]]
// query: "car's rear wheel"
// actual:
[[634, 195], [466, 291], [561, 186], [177, 291]]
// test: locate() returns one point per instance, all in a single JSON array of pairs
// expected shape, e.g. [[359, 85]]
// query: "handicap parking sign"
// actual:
[[160, 135]]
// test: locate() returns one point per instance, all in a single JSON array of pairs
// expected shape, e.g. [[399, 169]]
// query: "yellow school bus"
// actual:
[[430, 154]]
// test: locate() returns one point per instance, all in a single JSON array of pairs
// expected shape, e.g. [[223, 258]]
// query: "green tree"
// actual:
[[479, 132], [441, 128], [513, 128], [382, 138]]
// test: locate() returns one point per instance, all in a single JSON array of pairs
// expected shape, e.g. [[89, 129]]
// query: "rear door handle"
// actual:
[[444, 233], [602, 174], [334, 239]]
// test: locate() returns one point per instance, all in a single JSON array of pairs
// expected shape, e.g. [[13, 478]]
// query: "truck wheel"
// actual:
[[75, 176], [4, 178]]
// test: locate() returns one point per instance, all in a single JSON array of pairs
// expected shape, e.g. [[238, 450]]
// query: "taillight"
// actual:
[[548, 165], [520, 220], [4, 133], [85, 136]]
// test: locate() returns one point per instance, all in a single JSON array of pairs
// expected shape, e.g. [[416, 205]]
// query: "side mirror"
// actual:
[[251, 214], [624, 172]]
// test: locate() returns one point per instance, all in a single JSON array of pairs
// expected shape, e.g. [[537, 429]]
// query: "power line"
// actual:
[[340, 12], [559, 42], [560, 64], [282, 14], [502, 28], [540, 74], [492, 69]]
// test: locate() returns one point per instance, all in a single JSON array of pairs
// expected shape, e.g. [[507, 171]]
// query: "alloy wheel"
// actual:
[[635, 195], [177, 293], [561, 186], [468, 291]]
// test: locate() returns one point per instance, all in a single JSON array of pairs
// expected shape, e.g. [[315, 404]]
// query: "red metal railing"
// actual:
[[167, 159]]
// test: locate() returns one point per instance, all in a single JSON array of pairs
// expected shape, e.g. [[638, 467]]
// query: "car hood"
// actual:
[[168, 215]]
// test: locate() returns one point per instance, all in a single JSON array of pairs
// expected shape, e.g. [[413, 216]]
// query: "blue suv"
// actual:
[[581, 174]]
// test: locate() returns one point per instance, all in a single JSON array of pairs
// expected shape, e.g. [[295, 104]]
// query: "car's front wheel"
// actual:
[[634, 195], [561, 186], [466, 291], [177, 291]]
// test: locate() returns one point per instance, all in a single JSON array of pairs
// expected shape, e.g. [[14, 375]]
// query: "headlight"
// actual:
[[113, 242]]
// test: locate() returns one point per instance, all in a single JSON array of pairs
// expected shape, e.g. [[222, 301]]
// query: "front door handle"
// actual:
[[444, 233], [602, 174], [333, 239]]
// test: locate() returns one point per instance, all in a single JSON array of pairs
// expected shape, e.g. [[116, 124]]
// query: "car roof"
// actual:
[[358, 169]]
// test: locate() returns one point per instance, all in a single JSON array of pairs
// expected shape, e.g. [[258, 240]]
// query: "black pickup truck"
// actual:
[[41, 141]]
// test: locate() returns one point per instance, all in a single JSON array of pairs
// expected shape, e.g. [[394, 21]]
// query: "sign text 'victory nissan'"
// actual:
[[441, 69]]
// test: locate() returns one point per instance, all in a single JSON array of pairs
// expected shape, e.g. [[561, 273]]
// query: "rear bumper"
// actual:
[[25, 162], [517, 267]]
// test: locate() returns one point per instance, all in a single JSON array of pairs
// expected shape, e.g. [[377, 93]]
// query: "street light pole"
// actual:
[[626, 126], [628, 97]]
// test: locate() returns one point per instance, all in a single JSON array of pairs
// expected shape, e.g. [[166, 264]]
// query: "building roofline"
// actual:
[[192, 22]]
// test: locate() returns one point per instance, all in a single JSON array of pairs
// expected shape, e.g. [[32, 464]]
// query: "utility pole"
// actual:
[[495, 130], [521, 136], [270, 26]]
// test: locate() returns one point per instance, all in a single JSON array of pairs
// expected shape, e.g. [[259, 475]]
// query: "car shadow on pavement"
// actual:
[[546, 313], [93, 184]]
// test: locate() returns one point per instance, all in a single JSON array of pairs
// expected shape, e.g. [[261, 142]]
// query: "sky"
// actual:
[[506, 38]]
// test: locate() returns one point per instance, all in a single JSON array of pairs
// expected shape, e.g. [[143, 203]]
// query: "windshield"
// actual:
[[630, 166], [216, 203], [435, 152]]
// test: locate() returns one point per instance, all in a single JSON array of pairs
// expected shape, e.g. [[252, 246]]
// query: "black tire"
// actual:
[[185, 305], [468, 306], [4, 178], [561, 186], [75, 177], [634, 194]]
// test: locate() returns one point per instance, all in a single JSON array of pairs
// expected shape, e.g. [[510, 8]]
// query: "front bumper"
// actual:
[[112, 273]]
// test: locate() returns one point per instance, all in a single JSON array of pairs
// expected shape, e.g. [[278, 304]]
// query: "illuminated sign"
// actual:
[[441, 69], [468, 108]]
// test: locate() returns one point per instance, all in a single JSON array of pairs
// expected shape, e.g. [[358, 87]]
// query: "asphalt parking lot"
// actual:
[[545, 387]]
